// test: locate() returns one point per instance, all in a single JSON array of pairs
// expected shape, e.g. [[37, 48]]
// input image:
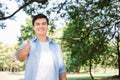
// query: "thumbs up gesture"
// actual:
[[26, 48], [22, 54], [28, 43]]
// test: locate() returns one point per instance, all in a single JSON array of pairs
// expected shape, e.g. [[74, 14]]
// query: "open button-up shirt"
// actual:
[[32, 59]]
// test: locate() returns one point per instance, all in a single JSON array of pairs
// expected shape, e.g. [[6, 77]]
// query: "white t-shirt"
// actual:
[[46, 64]]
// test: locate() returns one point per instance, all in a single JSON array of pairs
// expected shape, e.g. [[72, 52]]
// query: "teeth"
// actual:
[[41, 30]]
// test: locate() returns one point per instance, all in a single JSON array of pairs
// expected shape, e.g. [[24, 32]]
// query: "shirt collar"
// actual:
[[36, 39]]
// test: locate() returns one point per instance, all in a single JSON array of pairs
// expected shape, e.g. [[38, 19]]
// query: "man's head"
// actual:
[[38, 16], [40, 23]]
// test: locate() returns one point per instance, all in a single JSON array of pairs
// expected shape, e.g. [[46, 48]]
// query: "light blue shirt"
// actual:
[[32, 59]]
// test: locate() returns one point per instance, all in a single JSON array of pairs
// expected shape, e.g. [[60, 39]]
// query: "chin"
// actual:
[[41, 34]]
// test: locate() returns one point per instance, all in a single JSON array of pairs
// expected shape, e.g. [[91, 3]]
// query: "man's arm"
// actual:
[[22, 54], [62, 76]]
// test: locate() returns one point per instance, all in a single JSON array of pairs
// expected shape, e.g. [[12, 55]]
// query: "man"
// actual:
[[43, 56]]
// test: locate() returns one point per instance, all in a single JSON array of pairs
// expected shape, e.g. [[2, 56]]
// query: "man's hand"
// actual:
[[26, 48], [22, 54], [62, 76]]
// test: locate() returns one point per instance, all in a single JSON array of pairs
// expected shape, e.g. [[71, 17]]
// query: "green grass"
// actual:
[[83, 76], [79, 79], [88, 78]]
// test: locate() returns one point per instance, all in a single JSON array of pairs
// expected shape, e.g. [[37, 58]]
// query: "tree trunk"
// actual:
[[90, 69], [118, 51], [77, 70]]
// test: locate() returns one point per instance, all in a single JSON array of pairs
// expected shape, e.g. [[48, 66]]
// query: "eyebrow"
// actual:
[[41, 23]]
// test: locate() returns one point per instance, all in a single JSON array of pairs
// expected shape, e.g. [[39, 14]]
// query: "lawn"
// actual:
[[98, 75], [70, 76], [85, 76]]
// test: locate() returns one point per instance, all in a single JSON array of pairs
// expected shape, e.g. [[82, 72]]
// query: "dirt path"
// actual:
[[20, 76], [8, 76]]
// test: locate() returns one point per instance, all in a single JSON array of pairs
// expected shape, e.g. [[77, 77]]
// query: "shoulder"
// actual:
[[57, 45], [32, 40]]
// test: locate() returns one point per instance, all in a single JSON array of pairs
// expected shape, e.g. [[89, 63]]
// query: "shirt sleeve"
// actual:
[[21, 46], [62, 68]]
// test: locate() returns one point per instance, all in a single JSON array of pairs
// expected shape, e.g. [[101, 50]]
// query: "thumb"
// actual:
[[28, 41]]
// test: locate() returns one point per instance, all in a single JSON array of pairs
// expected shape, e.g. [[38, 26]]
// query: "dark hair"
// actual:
[[39, 16]]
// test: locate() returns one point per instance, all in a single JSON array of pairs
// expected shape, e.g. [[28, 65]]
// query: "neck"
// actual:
[[42, 38]]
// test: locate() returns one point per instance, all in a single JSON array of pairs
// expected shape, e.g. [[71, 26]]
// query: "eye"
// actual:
[[37, 24], [44, 23]]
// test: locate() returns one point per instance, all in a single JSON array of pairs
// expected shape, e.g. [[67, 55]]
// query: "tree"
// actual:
[[3, 10], [32, 7], [26, 3], [26, 31], [7, 59], [99, 19], [83, 52]]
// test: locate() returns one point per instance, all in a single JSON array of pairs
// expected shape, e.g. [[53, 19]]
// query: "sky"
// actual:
[[10, 34], [12, 29]]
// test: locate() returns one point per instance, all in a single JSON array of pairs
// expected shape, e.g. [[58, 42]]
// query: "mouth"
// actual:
[[41, 31]]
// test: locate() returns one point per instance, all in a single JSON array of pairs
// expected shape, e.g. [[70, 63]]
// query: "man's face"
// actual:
[[40, 26]]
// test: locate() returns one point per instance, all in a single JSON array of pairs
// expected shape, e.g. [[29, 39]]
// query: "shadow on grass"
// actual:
[[87, 78], [116, 77], [76, 78]]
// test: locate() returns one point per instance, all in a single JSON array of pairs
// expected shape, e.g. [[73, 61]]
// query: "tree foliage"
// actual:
[[32, 7], [93, 24], [26, 31], [8, 61], [83, 50]]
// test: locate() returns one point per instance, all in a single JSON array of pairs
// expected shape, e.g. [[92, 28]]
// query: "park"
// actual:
[[70, 76], [88, 32]]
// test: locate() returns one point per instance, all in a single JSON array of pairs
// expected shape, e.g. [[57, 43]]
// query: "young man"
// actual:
[[43, 56]]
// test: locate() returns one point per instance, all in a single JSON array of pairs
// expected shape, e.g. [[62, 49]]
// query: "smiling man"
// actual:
[[43, 56]]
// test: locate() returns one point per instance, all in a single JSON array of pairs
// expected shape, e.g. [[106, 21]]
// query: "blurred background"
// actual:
[[87, 30]]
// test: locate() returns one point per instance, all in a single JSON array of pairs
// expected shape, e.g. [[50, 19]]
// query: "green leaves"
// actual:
[[90, 21], [26, 31], [7, 58]]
